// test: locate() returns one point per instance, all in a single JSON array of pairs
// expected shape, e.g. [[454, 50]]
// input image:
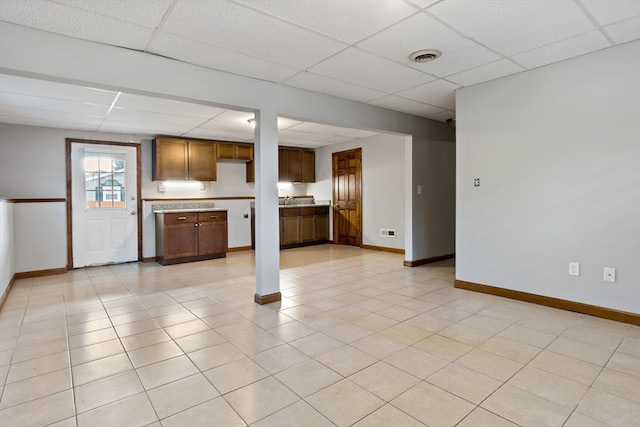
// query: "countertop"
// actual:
[[181, 210]]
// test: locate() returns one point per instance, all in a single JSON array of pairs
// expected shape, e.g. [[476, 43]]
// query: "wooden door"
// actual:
[[347, 193]]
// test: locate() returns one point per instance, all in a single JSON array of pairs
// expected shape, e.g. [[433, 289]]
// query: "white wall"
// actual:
[[557, 150], [40, 234], [383, 174], [6, 245]]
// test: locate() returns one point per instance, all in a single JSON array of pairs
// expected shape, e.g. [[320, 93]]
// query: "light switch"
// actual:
[[161, 188]]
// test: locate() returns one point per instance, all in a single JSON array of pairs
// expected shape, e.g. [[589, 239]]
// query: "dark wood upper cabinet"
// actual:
[[182, 159], [231, 151], [307, 166]]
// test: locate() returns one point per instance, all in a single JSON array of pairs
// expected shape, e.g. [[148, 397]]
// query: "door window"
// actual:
[[104, 178]]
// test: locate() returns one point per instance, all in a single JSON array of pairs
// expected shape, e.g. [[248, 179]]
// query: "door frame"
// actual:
[[69, 172], [333, 191]]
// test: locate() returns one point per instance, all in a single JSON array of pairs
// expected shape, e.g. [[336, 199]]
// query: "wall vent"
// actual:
[[386, 232]]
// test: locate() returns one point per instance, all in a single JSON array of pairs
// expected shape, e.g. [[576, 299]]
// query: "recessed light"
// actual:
[[425, 55]]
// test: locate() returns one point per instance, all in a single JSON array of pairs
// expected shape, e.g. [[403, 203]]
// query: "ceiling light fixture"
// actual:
[[252, 122], [425, 55]]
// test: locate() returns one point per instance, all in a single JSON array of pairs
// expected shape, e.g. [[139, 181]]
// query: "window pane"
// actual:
[[104, 182]]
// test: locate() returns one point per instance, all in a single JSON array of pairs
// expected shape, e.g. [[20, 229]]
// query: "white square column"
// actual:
[[267, 213]]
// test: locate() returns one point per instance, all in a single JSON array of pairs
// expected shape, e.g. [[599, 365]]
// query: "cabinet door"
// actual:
[[202, 161], [212, 233], [244, 152], [251, 171], [293, 164], [322, 226], [227, 151], [308, 166], [180, 240], [307, 228], [290, 226], [283, 174], [170, 159]]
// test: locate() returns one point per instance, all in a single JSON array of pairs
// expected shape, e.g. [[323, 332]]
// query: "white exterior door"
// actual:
[[104, 205]]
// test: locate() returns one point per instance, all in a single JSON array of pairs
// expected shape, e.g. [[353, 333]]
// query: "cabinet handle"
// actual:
[[182, 218], [213, 217], [196, 224]]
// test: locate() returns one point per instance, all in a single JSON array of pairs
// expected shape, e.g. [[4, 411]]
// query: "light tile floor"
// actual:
[[358, 339]]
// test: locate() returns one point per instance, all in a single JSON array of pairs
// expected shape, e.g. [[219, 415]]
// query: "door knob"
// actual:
[[133, 212]]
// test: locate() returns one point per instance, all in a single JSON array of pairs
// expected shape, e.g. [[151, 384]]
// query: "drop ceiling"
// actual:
[[353, 49]]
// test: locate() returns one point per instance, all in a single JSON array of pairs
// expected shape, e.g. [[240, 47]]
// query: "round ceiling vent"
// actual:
[[425, 55]]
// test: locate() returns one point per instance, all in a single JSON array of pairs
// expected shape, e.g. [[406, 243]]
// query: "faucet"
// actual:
[[286, 199]]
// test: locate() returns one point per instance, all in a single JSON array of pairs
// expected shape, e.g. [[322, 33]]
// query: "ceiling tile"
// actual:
[[259, 35], [240, 117], [320, 129], [133, 116], [568, 48], [142, 12], [512, 27], [439, 93], [358, 133], [624, 31], [50, 104], [337, 139], [349, 21], [285, 123], [207, 55], [423, 3], [407, 105], [317, 83], [52, 123], [291, 134], [46, 89], [47, 116], [218, 135], [492, 71], [424, 32], [145, 128], [610, 11], [70, 21], [359, 67], [168, 106]]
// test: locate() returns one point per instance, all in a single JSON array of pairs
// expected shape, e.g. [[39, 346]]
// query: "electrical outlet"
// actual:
[[609, 274], [574, 268], [476, 182], [419, 189]]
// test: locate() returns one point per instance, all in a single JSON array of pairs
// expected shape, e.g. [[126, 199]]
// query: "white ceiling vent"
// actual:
[[425, 55]]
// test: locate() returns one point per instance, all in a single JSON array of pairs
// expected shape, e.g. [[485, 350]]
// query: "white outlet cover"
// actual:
[[609, 274], [574, 268]]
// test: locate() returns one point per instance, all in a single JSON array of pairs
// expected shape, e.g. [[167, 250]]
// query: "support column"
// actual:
[[267, 213]]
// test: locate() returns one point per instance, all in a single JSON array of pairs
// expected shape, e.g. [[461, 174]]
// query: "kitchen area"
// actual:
[[197, 227]]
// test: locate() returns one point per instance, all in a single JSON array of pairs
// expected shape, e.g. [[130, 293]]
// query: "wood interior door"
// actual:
[[347, 197]]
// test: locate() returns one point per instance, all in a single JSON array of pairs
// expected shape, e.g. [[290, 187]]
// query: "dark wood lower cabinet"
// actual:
[[303, 226], [184, 237]]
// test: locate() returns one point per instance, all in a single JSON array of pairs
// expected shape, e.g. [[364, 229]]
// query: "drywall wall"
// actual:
[[40, 236], [30, 52], [557, 152], [7, 269], [382, 185]]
